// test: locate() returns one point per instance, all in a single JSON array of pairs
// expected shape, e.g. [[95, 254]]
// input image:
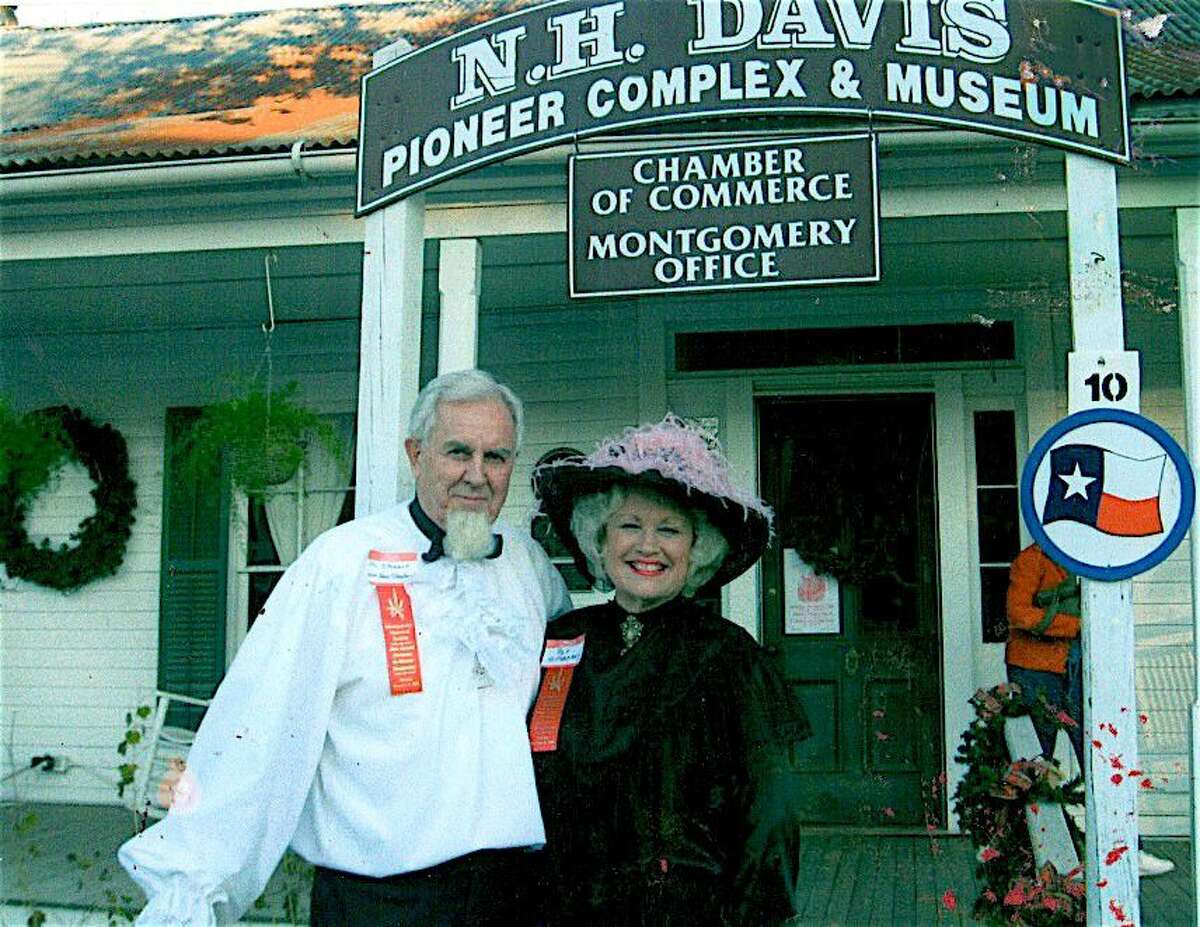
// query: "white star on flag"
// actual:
[[1076, 482]]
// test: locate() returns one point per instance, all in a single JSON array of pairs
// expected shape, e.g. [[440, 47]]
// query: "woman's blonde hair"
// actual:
[[590, 516]]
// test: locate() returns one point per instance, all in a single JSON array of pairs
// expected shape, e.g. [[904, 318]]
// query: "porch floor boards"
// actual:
[[847, 879]]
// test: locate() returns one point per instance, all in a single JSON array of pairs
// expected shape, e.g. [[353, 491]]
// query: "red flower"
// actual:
[[1097, 745], [1115, 854], [1016, 895], [1051, 903], [949, 901], [987, 854], [990, 895], [1147, 784], [1117, 910], [1066, 719], [1115, 761], [1143, 718], [1076, 889], [1116, 778]]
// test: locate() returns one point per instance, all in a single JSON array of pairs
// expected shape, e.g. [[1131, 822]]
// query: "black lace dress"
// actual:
[[668, 798]]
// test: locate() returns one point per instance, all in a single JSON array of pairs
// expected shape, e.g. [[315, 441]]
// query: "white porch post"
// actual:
[[1107, 634], [460, 267], [389, 342], [1187, 257]]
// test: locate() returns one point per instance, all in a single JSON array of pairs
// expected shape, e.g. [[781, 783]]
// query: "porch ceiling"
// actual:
[[188, 290]]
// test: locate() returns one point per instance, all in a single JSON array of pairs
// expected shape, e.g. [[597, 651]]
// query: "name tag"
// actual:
[[563, 653], [387, 572], [560, 659], [391, 568]]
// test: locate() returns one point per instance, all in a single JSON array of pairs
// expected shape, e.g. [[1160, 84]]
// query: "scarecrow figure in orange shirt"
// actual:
[[1044, 656]]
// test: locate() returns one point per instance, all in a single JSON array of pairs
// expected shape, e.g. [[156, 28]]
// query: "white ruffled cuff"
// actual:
[[181, 903]]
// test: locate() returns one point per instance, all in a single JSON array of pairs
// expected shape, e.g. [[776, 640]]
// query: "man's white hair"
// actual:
[[462, 386], [590, 516]]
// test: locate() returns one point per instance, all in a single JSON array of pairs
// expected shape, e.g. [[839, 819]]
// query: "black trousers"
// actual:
[[490, 888]]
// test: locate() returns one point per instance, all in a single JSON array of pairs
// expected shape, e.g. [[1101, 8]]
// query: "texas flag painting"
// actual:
[[1112, 493]]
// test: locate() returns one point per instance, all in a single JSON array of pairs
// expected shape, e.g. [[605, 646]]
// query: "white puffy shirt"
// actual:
[[305, 745]]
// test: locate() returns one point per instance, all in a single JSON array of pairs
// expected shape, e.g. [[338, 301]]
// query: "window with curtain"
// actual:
[[272, 528]]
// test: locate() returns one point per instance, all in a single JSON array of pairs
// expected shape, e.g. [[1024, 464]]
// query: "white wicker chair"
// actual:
[[162, 745]]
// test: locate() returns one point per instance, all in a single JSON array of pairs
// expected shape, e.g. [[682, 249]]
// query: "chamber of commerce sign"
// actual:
[[779, 212], [1046, 70]]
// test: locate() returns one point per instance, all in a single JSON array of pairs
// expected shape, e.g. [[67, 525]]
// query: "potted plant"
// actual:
[[261, 436]]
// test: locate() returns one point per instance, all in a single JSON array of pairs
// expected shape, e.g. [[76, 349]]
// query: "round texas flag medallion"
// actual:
[[1107, 493]]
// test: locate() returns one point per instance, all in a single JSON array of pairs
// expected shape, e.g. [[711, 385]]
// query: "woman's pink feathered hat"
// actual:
[[675, 458]]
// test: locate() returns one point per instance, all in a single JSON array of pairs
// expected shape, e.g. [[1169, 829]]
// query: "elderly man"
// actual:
[[374, 718]]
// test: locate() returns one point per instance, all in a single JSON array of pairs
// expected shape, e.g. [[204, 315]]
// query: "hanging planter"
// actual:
[[261, 437], [33, 448]]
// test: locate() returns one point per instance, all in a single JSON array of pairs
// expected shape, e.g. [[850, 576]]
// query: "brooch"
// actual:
[[631, 632]]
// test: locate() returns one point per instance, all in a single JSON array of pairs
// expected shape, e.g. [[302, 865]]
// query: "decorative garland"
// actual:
[[991, 801], [97, 547]]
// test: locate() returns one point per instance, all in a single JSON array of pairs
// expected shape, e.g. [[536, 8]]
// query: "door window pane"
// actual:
[[995, 449], [993, 588], [999, 535]]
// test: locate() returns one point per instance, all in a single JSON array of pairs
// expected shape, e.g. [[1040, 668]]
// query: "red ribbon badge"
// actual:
[[396, 614], [560, 660]]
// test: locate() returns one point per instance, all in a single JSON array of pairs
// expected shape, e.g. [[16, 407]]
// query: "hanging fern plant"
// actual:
[[261, 437]]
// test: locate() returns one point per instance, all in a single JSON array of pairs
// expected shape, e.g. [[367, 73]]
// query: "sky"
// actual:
[[82, 12]]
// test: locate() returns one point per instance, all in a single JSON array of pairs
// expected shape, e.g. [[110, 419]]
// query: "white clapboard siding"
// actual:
[[73, 665]]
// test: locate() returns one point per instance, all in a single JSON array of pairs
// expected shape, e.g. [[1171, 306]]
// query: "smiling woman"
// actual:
[[674, 714]]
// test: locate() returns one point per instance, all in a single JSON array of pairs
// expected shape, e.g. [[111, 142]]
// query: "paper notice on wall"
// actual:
[[810, 602]]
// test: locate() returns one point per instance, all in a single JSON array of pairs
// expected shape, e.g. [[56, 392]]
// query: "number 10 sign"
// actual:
[[1103, 380]]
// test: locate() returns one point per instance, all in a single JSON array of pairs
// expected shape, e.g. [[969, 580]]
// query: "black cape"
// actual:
[[668, 799]]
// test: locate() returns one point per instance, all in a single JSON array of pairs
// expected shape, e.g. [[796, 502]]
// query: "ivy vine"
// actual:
[[991, 802]]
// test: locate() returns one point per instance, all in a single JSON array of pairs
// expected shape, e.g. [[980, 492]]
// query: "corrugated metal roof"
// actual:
[[1167, 62], [261, 81], [203, 86]]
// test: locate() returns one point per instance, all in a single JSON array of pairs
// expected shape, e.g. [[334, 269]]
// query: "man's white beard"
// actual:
[[468, 534]]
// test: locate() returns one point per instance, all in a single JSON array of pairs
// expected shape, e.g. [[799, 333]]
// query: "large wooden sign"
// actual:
[[1047, 70], [779, 212]]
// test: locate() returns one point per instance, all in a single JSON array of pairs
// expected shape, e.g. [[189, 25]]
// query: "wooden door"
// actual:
[[852, 483]]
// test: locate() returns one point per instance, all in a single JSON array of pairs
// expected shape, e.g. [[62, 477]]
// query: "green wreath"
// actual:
[[97, 547], [991, 801]]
